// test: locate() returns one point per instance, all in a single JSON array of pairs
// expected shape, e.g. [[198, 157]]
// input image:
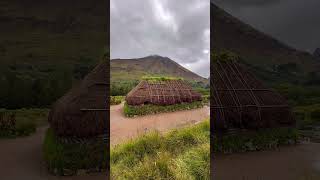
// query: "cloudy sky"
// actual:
[[295, 22], [171, 28]]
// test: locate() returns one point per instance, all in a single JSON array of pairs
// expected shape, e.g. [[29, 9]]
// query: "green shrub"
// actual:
[[27, 120], [177, 154], [255, 140], [160, 78], [114, 100], [62, 158], [131, 111]]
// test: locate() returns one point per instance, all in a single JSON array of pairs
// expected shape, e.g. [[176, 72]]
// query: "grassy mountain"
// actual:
[[269, 58], [133, 69], [46, 46]]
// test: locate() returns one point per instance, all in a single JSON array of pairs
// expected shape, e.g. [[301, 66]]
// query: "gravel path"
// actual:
[[123, 128]]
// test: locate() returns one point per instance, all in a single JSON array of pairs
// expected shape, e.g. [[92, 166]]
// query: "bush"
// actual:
[[255, 140], [179, 154], [27, 121], [141, 110], [114, 100], [67, 159]]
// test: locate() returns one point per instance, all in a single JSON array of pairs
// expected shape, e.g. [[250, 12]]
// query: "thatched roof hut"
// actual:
[[82, 112], [239, 100], [162, 92]]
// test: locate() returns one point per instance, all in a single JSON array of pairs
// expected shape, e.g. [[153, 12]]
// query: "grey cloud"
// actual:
[[168, 28]]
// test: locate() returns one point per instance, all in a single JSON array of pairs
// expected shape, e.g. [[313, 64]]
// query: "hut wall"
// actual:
[[239, 100], [162, 93]]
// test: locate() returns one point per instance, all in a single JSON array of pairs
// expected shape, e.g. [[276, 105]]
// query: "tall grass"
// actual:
[[179, 154], [67, 158]]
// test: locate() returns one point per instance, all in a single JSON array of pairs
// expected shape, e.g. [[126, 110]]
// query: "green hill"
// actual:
[[46, 46]]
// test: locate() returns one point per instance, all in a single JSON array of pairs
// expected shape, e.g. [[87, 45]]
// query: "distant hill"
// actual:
[[133, 69], [269, 58]]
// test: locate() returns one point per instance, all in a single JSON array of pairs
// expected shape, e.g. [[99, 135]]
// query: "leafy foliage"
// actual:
[[122, 88], [114, 100]]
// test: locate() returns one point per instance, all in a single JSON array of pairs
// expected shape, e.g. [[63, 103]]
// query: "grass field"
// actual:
[[179, 154], [27, 120]]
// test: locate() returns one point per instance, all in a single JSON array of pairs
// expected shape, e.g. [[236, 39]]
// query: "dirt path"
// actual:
[[21, 159], [301, 162], [123, 128]]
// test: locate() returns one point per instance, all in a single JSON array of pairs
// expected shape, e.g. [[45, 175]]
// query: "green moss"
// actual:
[[141, 110], [160, 78]]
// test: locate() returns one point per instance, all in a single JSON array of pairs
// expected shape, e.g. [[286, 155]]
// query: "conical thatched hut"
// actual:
[[82, 112], [239, 100], [162, 92]]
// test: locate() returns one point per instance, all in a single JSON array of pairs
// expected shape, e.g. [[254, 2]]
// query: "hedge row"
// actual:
[[131, 111]]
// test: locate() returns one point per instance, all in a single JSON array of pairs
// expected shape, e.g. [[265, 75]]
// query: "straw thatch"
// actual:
[[82, 112], [162, 92], [240, 101]]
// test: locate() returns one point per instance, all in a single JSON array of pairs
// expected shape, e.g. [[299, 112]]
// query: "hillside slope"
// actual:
[[132, 69], [46, 46], [259, 49]]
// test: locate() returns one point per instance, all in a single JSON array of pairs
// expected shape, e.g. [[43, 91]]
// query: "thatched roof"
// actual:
[[239, 100], [82, 112], [162, 92]]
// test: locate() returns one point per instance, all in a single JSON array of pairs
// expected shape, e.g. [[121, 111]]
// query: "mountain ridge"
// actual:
[[255, 47], [135, 68]]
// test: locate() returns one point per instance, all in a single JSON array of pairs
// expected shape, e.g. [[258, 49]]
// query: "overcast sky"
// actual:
[[171, 28], [295, 22]]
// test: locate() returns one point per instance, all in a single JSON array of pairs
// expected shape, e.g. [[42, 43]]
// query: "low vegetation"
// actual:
[[68, 158], [131, 111], [160, 78], [179, 154], [115, 100], [263, 139], [23, 121]]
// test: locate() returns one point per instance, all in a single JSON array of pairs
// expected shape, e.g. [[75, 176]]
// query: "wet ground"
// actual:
[[21, 159], [123, 128]]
